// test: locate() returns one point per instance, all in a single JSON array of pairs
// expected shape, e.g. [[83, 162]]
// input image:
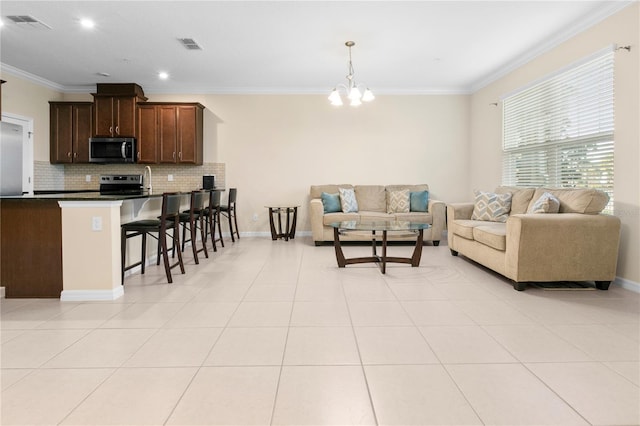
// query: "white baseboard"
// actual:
[[627, 284], [91, 295]]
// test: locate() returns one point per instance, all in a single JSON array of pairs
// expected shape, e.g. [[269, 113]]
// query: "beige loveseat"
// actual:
[[576, 244], [372, 203]]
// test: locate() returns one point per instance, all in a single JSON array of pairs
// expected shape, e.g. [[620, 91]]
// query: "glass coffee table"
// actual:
[[379, 231]]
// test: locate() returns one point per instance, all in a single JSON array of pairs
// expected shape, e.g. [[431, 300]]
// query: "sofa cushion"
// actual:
[[331, 202], [520, 197], [371, 198], [491, 207], [348, 200], [493, 235], [317, 190], [581, 200], [464, 227], [547, 203], [419, 201], [398, 201]]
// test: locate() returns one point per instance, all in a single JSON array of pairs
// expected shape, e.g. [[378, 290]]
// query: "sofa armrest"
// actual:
[[316, 215], [439, 221], [457, 211], [579, 247]]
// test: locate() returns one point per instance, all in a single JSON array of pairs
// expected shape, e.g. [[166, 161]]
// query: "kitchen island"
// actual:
[[67, 245]]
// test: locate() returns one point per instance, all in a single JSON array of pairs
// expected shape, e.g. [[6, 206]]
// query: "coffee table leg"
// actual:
[[336, 244], [417, 252], [384, 252]]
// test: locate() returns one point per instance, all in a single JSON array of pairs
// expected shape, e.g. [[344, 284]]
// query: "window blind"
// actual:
[[560, 131]]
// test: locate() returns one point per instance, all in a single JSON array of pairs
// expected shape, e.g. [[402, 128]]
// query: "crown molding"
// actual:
[[16, 72], [154, 89], [608, 9]]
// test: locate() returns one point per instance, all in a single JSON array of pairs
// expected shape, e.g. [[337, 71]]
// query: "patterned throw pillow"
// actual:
[[348, 200], [330, 202], [547, 203], [491, 207], [398, 201], [419, 201]]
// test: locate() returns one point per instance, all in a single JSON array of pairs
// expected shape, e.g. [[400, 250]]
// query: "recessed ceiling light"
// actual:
[[163, 75], [87, 23]]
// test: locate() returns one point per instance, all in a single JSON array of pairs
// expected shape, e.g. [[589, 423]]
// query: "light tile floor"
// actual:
[[272, 332]]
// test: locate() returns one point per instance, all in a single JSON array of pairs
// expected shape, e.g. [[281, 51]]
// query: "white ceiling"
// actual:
[[286, 46]]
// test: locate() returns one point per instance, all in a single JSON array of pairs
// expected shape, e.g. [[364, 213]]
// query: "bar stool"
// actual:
[[230, 212], [194, 219], [212, 217], [166, 221]]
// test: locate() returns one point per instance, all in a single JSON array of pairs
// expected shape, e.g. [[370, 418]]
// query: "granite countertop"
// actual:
[[82, 196]]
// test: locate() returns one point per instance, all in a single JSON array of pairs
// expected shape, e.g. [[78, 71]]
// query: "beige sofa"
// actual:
[[576, 244], [372, 205]]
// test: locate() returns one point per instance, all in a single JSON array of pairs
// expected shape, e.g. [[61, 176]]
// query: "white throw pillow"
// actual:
[[547, 203], [348, 200]]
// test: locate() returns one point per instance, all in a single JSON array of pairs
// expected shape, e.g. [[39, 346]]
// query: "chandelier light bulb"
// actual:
[[334, 98], [355, 102], [355, 94], [367, 96]]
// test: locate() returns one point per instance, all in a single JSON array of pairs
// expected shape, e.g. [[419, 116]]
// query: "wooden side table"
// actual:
[[291, 213]]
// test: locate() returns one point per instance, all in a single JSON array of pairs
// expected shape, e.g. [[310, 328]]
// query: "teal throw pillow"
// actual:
[[331, 202], [419, 201]]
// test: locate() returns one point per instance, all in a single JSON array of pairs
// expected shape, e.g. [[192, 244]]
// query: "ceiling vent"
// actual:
[[28, 21], [190, 44]]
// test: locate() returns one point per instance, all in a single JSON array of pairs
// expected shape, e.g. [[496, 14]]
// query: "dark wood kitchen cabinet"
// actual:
[[147, 134], [174, 129], [115, 115], [31, 246], [115, 109], [70, 127]]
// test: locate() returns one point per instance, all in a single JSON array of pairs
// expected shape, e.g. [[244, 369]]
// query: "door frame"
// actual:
[[27, 147]]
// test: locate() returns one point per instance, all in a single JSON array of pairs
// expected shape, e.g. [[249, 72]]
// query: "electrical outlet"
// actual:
[[87, 178], [255, 217], [170, 178], [96, 223]]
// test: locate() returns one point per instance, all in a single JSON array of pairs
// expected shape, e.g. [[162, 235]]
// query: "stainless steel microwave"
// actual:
[[112, 150]]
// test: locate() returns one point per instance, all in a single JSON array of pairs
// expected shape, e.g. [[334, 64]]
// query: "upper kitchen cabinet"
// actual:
[[71, 126], [148, 134], [115, 109], [178, 132]]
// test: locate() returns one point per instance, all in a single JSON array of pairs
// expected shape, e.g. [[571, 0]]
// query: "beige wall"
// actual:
[[276, 146], [486, 121], [30, 100]]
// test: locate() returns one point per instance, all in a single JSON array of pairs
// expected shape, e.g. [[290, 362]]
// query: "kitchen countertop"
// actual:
[[82, 196], [85, 195]]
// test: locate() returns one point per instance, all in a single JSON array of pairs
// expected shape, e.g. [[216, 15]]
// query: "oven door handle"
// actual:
[[123, 150]]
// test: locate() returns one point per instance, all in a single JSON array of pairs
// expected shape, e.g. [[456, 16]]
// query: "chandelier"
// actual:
[[351, 89]]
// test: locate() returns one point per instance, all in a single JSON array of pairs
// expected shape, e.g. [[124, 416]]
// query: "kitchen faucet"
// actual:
[[149, 187]]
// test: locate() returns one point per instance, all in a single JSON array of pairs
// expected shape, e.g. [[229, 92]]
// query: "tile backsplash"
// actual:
[[74, 176]]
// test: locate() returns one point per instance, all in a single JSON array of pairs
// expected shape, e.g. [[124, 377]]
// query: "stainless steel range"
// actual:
[[121, 184]]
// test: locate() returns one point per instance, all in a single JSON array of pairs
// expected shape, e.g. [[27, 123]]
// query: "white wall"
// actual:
[[486, 121]]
